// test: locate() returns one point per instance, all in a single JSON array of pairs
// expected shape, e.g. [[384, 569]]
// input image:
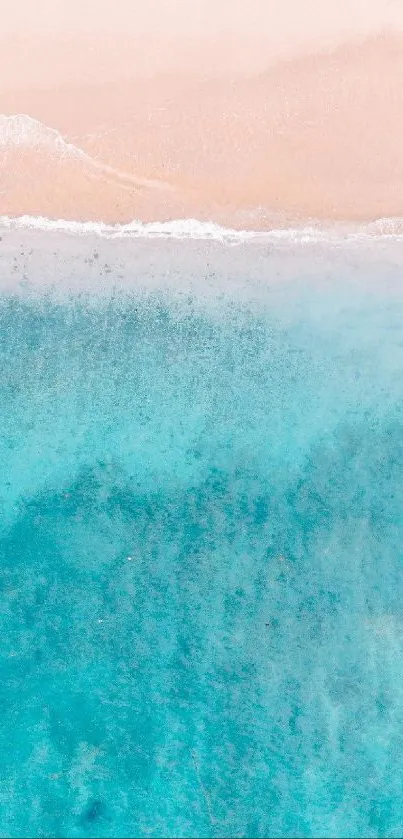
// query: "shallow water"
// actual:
[[201, 555]]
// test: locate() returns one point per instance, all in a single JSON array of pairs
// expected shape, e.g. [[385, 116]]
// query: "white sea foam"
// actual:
[[178, 229], [185, 229], [23, 131]]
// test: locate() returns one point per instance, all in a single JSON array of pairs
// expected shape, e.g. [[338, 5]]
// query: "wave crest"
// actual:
[[188, 229]]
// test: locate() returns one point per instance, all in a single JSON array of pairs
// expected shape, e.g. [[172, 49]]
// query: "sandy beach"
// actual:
[[313, 137], [201, 414]]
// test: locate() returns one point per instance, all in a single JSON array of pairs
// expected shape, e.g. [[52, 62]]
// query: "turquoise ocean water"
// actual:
[[201, 549]]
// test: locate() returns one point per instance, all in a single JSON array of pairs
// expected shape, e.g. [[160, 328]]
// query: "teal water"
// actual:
[[201, 566]]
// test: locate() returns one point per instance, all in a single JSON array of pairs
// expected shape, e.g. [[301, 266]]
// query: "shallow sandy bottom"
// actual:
[[36, 262]]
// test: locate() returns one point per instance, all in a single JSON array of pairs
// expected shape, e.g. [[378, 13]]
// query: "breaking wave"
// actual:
[[382, 229]]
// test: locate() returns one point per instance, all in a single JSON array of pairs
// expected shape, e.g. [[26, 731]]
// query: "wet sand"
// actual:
[[312, 138]]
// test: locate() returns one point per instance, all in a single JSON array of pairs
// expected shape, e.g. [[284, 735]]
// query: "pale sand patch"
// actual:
[[318, 137]]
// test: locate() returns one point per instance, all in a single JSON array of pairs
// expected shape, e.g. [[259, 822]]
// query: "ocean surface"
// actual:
[[201, 534]]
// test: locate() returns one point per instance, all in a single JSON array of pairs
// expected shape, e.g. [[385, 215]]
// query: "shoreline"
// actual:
[[298, 231]]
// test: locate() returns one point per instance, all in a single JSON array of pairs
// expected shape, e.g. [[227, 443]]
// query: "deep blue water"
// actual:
[[201, 567]]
